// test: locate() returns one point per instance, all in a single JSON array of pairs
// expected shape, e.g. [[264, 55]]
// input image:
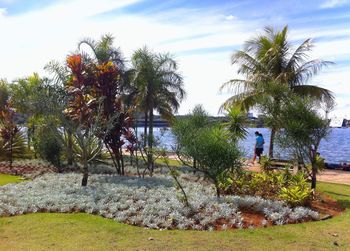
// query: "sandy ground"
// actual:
[[334, 176]]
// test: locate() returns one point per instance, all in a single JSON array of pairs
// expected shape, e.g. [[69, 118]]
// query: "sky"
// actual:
[[200, 34]]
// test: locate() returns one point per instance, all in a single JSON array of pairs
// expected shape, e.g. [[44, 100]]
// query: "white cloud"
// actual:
[[7, 1], [332, 3], [2, 12], [230, 17], [31, 40]]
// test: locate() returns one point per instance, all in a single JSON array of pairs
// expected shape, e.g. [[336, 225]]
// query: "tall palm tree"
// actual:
[[270, 64], [156, 86], [103, 51]]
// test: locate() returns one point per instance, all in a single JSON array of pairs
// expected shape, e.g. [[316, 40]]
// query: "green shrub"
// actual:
[[216, 154], [270, 185], [206, 146], [47, 145], [17, 149], [295, 195]]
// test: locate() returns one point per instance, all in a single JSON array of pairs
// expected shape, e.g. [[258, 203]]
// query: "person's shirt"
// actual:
[[259, 142]]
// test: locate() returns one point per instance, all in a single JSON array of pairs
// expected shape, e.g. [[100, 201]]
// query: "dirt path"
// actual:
[[333, 176]]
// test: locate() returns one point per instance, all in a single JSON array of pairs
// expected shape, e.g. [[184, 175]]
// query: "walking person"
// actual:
[[259, 146]]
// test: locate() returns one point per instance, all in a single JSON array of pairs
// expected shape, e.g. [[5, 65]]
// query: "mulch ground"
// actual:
[[25, 169], [326, 205]]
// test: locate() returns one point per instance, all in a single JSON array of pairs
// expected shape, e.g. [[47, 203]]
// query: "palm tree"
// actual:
[[156, 86], [270, 65], [103, 51]]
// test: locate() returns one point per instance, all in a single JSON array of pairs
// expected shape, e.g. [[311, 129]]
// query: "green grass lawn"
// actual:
[[160, 161], [172, 162], [44, 231], [5, 178]]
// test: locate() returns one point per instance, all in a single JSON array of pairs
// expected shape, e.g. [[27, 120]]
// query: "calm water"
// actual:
[[335, 149]]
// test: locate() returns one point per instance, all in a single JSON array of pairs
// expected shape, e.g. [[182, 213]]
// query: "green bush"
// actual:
[[47, 145], [295, 195], [216, 154], [17, 149], [270, 185], [208, 147]]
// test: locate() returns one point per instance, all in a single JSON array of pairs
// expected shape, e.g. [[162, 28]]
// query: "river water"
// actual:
[[335, 148]]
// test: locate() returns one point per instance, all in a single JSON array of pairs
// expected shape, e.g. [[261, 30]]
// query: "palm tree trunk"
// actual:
[[150, 142], [33, 131], [145, 129], [272, 138]]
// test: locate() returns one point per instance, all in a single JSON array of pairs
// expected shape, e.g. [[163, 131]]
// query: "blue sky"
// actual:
[[201, 34]]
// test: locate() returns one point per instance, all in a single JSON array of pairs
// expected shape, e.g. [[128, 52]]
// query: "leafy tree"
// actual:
[[217, 155], [303, 131], [212, 148], [95, 99], [11, 140], [87, 149], [27, 94], [269, 60], [39, 101], [58, 92], [156, 86], [103, 51], [186, 129]]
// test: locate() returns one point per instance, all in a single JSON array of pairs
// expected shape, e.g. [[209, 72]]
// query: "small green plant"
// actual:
[[295, 195], [270, 185], [265, 164], [14, 148]]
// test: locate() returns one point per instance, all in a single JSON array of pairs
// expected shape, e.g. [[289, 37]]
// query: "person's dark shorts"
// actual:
[[259, 151]]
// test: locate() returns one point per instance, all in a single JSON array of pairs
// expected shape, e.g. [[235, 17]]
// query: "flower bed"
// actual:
[[27, 168], [150, 202]]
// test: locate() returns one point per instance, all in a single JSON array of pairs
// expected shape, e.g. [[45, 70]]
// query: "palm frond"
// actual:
[[314, 92]]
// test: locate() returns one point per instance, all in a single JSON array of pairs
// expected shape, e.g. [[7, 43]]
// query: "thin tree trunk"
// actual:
[[112, 157], [85, 169], [11, 151], [69, 147], [117, 158], [122, 161], [217, 189], [34, 134], [145, 129], [150, 142], [272, 138], [28, 138], [313, 177]]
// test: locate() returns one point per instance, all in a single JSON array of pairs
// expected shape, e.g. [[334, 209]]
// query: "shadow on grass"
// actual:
[[343, 199], [345, 203], [338, 194]]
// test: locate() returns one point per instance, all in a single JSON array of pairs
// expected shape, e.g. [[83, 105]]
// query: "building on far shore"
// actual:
[[346, 123]]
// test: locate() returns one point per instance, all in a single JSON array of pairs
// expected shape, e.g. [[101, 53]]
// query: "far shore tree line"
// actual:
[[90, 102]]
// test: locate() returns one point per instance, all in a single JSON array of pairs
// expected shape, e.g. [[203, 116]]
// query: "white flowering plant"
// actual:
[[148, 202]]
